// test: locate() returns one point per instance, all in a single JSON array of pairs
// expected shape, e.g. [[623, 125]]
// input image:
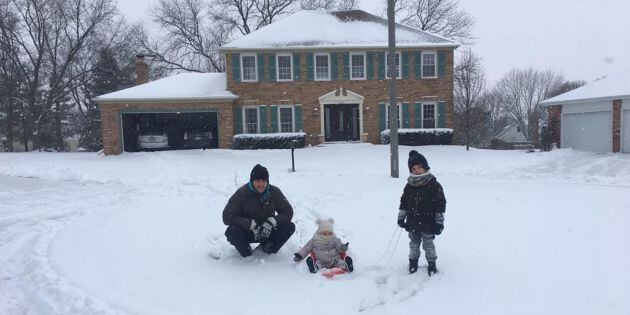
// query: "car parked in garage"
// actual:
[[197, 139], [152, 141]]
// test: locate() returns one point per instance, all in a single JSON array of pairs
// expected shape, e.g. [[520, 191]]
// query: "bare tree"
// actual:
[[521, 91], [469, 90], [442, 17]]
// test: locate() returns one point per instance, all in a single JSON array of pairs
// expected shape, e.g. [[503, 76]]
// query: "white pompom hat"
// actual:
[[325, 225]]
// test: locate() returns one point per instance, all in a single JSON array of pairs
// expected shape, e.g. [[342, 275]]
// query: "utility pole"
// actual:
[[393, 104]]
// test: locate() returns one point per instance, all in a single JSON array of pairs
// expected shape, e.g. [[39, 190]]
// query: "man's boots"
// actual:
[[432, 269], [413, 265]]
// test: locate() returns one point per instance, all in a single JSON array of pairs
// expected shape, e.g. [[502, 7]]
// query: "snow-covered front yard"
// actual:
[[537, 233]]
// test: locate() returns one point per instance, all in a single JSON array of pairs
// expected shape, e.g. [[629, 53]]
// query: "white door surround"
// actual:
[[341, 96]]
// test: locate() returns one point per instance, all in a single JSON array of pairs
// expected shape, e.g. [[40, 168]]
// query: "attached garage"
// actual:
[[595, 117]]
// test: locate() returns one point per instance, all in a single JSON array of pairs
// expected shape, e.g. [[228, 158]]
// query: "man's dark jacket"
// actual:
[[247, 204]]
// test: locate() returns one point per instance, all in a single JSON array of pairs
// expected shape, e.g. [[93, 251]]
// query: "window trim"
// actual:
[[280, 118], [435, 114], [400, 118], [435, 64], [278, 55], [364, 65], [399, 76], [255, 67], [245, 118], [315, 66]]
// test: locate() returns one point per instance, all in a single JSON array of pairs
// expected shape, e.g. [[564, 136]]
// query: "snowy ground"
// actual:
[[538, 233]]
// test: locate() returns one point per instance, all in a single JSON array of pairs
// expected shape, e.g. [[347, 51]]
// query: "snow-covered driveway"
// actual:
[[541, 233]]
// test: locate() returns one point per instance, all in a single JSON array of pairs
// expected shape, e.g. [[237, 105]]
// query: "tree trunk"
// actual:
[[10, 127], [58, 133]]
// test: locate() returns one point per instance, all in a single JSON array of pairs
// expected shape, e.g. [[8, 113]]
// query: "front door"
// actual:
[[341, 122]]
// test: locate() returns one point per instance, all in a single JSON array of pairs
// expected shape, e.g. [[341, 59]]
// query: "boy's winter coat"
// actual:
[[422, 201]]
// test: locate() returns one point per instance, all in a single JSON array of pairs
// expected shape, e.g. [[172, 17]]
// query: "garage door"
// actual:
[[590, 131], [625, 132]]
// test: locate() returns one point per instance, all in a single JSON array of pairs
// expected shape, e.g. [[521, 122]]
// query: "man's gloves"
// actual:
[[255, 228], [267, 227], [439, 223], [297, 257], [402, 214]]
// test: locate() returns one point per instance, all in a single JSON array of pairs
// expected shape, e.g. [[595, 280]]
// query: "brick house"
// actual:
[[321, 73]]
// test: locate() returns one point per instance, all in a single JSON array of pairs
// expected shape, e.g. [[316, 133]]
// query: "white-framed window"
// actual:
[[357, 66], [322, 67], [397, 62], [286, 119], [250, 119], [429, 64], [397, 118], [284, 67], [249, 70], [429, 115]]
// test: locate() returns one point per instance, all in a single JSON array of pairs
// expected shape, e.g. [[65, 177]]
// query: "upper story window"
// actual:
[[250, 117], [429, 65], [248, 68], [357, 66], [285, 67], [397, 62], [322, 67], [286, 119], [428, 115]]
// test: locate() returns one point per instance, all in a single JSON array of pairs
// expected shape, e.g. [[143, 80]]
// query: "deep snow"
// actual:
[[541, 233]]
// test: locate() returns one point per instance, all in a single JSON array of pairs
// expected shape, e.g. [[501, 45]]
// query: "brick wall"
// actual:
[[110, 120], [616, 132], [307, 93], [555, 113]]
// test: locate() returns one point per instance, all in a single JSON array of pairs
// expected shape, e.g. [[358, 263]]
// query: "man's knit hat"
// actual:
[[325, 225], [259, 172], [416, 158]]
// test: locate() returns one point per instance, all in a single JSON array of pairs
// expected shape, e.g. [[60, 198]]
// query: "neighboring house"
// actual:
[[511, 137], [594, 117], [321, 73]]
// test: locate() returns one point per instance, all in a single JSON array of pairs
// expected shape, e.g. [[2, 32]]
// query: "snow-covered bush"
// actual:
[[418, 136], [250, 141]]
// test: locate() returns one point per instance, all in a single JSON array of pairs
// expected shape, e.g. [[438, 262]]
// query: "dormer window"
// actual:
[[248, 68]]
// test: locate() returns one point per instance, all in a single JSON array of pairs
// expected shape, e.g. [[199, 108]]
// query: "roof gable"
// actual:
[[339, 29]]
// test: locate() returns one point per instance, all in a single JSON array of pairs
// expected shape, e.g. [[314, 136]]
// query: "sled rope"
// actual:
[[389, 244], [395, 246]]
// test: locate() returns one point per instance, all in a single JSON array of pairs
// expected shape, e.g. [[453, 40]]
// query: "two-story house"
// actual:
[[321, 73]]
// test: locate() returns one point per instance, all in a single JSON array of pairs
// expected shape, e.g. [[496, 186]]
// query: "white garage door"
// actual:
[[590, 131], [625, 131]]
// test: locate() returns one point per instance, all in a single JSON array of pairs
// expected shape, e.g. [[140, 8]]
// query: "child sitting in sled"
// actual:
[[325, 250]]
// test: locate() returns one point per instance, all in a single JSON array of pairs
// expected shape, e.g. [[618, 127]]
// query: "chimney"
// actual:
[[142, 70]]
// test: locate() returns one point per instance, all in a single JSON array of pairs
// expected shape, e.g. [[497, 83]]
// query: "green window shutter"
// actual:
[[272, 67], [296, 67], [262, 119], [417, 114], [334, 69], [381, 117], [418, 64], [238, 120], [381, 66], [405, 115], [441, 123], [441, 64], [370, 66], [405, 64], [274, 118], [310, 75], [297, 111], [260, 58], [236, 67], [346, 66]]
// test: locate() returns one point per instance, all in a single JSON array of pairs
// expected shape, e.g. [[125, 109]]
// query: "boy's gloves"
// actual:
[[439, 223], [267, 226], [297, 257], [402, 214], [344, 247]]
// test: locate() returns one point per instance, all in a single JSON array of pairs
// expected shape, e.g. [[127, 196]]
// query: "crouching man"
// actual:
[[258, 213]]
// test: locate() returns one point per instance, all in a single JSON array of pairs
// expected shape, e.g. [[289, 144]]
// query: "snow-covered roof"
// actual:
[[607, 89], [338, 29], [183, 86]]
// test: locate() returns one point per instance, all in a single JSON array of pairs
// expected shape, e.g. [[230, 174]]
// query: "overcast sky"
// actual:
[[583, 39]]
